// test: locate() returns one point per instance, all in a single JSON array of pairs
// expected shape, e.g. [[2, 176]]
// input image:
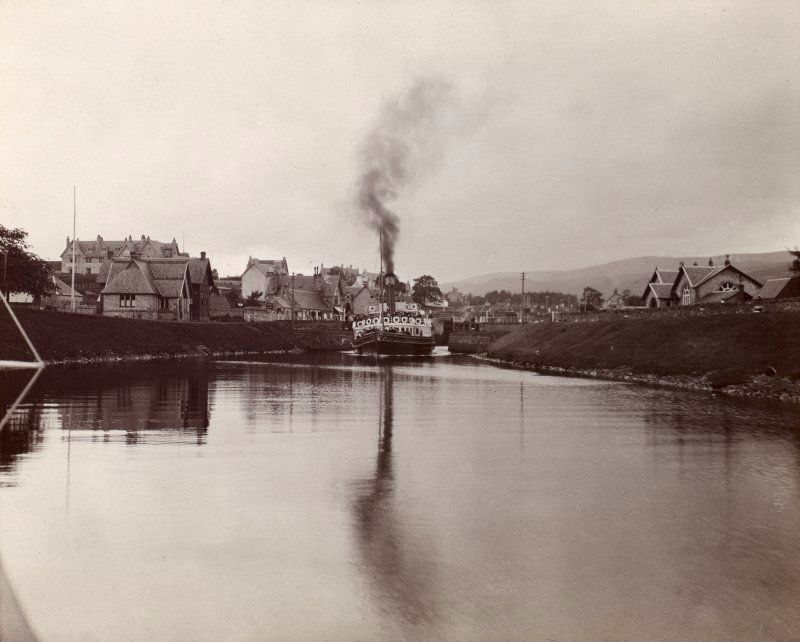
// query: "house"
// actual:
[[153, 288], [455, 298], [786, 288], [359, 298], [714, 284], [658, 293], [90, 256], [62, 297], [202, 287], [219, 307], [263, 275]]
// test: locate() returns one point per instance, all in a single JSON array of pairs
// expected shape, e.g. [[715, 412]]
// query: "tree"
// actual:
[[592, 299], [628, 298], [794, 268], [214, 274], [252, 299], [425, 289], [20, 269]]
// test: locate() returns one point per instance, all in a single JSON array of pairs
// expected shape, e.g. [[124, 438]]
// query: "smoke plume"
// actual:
[[402, 145]]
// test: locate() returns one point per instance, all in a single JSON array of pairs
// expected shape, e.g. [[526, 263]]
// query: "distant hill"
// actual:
[[632, 274]]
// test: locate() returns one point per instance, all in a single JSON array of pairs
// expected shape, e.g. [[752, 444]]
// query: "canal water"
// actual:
[[336, 497]]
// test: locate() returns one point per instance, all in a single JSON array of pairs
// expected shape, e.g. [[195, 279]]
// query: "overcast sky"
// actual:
[[580, 133]]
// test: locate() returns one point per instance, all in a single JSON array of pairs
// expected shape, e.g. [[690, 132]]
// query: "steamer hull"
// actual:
[[393, 344]]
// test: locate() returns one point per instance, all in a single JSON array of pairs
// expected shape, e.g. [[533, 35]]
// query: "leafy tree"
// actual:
[[20, 269], [425, 288], [628, 298], [795, 266], [253, 298], [592, 299], [214, 274]]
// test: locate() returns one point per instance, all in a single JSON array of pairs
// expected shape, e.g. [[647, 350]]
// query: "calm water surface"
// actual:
[[342, 498]]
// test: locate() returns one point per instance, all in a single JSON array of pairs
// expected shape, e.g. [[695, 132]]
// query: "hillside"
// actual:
[[631, 274]]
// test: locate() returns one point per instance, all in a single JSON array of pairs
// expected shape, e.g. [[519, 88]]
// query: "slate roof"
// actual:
[[64, 289], [100, 248], [662, 290], [199, 270], [667, 276], [699, 273], [722, 297], [772, 288], [309, 300], [164, 277], [268, 266], [218, 302]]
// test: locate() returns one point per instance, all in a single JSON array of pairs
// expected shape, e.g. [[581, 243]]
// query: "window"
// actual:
[[127, 300], [687, 295], [727, 286]]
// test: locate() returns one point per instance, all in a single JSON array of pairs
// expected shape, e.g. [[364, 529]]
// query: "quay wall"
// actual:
[[67, 337]]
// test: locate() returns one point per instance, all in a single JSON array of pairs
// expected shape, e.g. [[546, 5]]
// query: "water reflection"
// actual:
[[151, 402], [399, 570]]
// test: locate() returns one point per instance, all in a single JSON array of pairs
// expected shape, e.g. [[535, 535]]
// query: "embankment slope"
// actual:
[[728, 349], [62, 336]]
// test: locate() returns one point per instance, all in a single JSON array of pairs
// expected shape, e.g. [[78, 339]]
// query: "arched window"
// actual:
[[727, 286], [687, 295]]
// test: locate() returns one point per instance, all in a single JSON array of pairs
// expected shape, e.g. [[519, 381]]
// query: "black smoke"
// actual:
[[396, 152]]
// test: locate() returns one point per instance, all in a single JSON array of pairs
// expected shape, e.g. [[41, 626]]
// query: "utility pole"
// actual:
[[292, 300], [522, 306], [74, 240]]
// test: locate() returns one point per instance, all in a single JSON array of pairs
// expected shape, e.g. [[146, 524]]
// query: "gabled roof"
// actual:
[[772, 288], [133, 278], [163, 276], [723, 268], [696, 274], [661, 290], [309, 300], [64, 289], [268, 266], [218, 302], [100, 248], [200, 271], [667, 276]]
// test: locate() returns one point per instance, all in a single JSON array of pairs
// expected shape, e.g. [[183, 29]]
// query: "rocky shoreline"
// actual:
[[767, 386]]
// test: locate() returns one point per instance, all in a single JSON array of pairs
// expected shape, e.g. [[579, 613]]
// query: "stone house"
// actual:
[[712, 284], [263, 275], [91, 256], [148, 289], [359, 298], [202, 287], [658, 293], [455, 298]]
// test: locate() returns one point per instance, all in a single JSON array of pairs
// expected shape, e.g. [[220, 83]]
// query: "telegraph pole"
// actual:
[[74, 240], [522, 306]]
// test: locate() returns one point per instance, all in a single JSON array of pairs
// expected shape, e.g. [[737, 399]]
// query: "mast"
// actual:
[[74, 240], [380, 274]]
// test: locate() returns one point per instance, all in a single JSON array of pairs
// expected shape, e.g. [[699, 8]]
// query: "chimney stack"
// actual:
[[202, 254], [710, 262], [727, 259]]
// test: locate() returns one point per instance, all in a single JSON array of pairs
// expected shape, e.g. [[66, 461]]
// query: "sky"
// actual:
[[577, 133]]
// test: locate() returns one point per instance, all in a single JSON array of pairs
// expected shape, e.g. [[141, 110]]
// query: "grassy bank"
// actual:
[[728, 349], [61, 336]]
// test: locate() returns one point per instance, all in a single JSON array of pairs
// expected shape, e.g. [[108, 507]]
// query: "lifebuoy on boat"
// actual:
[[404, 319], [397, 319], [419, 321], [387, 320]]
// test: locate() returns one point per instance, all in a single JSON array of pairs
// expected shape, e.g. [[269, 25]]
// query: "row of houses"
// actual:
[[149, 279], [709, 284]]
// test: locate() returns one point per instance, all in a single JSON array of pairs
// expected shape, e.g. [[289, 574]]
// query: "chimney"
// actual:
[[143, 237], [67, 239], [202, 254], [694, 264], [682, 264], [389, 281], [710, 262], [727, 259]]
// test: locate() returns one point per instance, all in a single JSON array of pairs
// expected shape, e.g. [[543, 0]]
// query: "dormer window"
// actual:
[[727, 286]]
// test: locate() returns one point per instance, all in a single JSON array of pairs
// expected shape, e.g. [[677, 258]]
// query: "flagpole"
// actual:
[[74, 240]]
